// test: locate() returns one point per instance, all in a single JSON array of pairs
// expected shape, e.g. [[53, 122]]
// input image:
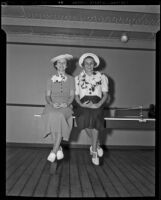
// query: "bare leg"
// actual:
[[98, 142], [58, 138], [95, 158], [53, 139], [53, 165], [90, 134], [94, 139]]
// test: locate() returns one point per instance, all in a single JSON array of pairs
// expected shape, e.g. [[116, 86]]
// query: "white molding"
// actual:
[[79, 41]]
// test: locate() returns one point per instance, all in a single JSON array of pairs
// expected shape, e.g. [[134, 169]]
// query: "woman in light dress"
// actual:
[[57, 114]]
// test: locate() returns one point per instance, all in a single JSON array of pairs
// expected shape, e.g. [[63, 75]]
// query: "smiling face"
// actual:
[[61, 65], [89, 64]]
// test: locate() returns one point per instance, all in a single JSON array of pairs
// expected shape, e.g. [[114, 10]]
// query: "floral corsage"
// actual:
[[59, 78]]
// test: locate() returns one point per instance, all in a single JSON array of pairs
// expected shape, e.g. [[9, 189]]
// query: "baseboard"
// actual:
[[83, 146]]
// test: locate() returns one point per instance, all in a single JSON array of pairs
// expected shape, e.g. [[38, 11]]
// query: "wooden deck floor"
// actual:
[[122, 173]]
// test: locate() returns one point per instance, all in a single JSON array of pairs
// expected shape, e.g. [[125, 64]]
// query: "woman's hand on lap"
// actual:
[[97, 105], [86, 104], [63, 105], [56, 105]]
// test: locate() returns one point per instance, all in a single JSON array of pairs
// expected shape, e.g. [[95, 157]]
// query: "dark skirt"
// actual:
[[91, 118]]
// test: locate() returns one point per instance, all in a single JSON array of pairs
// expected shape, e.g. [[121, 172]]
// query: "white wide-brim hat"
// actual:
[[81, 59], [65, 56]]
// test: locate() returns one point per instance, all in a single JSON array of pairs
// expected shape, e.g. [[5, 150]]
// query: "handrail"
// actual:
[[140, 119], [106, 108]]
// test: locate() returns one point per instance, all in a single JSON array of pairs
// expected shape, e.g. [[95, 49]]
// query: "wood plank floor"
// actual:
[[122, 173]]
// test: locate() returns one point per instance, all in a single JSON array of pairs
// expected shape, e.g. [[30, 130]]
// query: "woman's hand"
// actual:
[[63, 105], [86, 104], [97, 105], [60, 105], [56, 105]]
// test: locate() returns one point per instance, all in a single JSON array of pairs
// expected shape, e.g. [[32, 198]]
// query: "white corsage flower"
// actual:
[[93, 81], [59, 78]]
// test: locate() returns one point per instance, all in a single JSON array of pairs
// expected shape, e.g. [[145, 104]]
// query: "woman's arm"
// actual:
[[102, 101], [72, 91], [71, 98], [49, 101], [48, 98], [78, 100], [48, 92]]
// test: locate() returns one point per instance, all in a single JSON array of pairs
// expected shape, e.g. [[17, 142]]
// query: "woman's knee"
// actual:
[[60, 115]]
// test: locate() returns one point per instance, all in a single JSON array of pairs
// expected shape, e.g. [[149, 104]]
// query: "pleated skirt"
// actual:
[[91, 118]]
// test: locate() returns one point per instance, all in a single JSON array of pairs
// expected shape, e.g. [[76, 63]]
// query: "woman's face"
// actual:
[[61, 65], [89, 65]]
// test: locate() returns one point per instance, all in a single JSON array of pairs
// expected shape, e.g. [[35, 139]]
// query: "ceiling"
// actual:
[[133, 8], [85, 22]]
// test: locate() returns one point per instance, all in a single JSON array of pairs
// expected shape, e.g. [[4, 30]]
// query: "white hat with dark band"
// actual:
[[96, 59], [65, 56]]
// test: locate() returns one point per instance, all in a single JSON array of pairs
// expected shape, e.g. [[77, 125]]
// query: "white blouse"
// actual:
[[93, 85]]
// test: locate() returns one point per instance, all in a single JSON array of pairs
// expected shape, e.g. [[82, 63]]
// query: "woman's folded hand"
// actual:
[[97, 105], [63, 105], [56, 105], [59, 105], [86, 104]]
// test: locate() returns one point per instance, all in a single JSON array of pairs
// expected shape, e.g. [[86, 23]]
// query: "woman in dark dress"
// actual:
[[91, 91]]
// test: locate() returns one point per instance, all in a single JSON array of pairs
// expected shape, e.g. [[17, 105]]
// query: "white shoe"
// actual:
[[51, 157], [99, 151], [60, 154], [90, 148], [95, 160]]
